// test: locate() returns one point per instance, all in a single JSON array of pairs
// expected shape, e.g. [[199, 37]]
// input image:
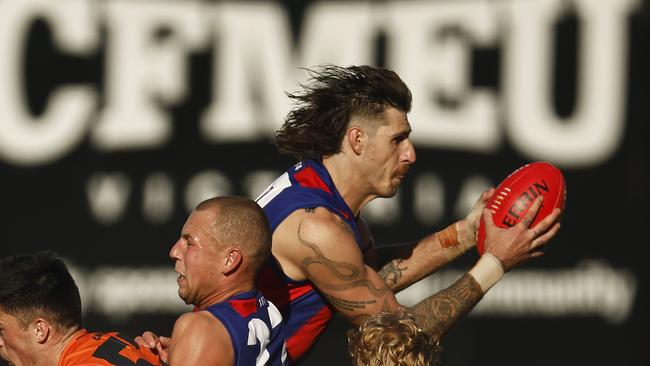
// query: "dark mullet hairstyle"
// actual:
[[332, 96]]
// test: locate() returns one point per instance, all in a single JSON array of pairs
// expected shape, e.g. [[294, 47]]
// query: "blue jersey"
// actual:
[[304, 310], [255, 327]]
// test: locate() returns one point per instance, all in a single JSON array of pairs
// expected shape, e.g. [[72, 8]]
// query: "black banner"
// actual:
[[117, 117]]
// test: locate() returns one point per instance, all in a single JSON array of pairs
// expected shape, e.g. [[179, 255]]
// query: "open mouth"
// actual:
[[180, 278]]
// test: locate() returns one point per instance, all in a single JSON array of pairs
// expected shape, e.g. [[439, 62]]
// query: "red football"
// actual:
[[515, 194]]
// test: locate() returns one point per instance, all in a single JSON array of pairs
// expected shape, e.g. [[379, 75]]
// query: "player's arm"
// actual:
[[404, 264], [504, 249], [200, 339], [317, 245]]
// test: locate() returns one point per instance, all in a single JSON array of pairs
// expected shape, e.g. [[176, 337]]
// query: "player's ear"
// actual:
[[233, 260], [354, 137], [41, 330]]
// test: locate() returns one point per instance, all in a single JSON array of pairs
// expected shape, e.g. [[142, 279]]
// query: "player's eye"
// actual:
[[400, 138]]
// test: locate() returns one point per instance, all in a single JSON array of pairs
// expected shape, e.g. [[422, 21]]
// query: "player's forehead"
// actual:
[[198, 224], [395, 119]]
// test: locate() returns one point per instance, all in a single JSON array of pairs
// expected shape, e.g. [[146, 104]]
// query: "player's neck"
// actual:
[[59, 344], [225, 292], [348, 181]]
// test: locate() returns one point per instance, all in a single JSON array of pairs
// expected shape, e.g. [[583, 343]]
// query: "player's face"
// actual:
[[196, 259], [390, 153], [15, 342]]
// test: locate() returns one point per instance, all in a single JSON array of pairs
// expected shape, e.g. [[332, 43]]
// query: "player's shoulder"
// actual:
[[201, 337], [198, 321], [319, 222], [314, 230]]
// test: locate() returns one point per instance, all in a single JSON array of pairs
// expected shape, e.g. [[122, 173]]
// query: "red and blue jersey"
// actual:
[[255, 327], [305, 311]]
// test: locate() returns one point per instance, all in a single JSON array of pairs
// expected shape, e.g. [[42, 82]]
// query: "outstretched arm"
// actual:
[[404, 264], [505, 249], [326, 253], [317, 244]]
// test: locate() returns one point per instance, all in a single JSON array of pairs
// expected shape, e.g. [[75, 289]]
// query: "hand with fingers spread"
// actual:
[[516, 245]]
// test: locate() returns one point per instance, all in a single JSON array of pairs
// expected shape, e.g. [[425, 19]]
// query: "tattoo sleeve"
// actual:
[[437, 314]]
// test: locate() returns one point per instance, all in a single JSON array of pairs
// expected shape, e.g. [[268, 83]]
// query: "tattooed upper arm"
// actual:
[[330, 258], [339, 275]]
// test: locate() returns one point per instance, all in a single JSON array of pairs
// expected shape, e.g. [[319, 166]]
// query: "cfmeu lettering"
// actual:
[[256, 59], [523, 202]]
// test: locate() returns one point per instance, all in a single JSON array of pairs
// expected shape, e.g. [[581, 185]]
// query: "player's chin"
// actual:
[[389, 191], [186, 299], [182, 294]]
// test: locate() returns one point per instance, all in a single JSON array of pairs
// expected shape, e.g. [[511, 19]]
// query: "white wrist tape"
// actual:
[[487, 271]]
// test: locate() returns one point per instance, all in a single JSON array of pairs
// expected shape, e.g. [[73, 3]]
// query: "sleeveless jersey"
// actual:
[[255, 328], [105, 349], [304, 310]]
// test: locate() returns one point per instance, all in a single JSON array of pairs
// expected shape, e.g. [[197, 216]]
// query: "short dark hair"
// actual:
[[241, 221], [39, 285], [329, 100]]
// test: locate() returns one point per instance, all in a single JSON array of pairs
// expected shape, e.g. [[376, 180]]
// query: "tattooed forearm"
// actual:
[[348, 304], [345, 271], [439, 313], [391, 273]]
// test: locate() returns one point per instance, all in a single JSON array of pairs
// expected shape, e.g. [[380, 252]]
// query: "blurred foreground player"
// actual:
[[223, 244], [40, 319], [392, 339]]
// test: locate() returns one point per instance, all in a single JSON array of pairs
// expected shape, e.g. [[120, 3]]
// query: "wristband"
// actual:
[[452, 243], [487, 271]]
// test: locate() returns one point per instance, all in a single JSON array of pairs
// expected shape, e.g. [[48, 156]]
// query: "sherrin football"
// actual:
[[516, 194]]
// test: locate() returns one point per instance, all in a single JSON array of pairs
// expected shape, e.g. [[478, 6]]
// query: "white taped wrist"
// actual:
[[487, 271], [466, 237]]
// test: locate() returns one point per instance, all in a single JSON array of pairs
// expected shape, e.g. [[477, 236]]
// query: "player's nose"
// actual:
[[174, 252], [409, 152]]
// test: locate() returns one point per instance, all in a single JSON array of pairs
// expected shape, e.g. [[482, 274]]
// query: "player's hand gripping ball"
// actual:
[[515, 194]]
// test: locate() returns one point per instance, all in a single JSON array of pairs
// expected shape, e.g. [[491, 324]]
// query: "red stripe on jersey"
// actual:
[[304, 338], [244, 307], [276, 290], [299, 291], [308, 178], [345, 214]]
